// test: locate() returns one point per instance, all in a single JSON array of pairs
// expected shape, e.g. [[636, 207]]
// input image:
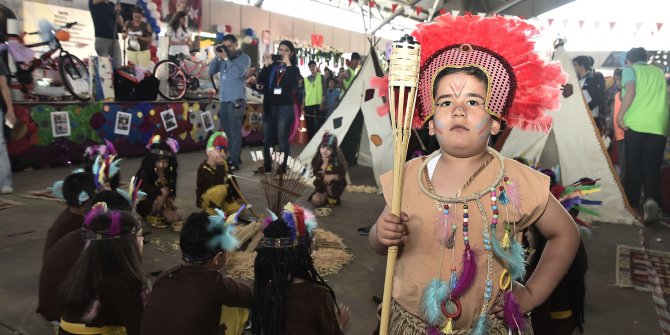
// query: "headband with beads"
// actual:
[[301, 223], [115, 229], [225, 240]]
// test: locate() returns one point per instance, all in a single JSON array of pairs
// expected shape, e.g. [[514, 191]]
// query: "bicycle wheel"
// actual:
[[172, 81], [75, 77]]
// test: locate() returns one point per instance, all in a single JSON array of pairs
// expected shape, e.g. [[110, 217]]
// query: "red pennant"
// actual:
[[229, 29], [350, 1], [658, 26], [522, 17], [612, 24], [371, 3], [550, 21], [581, 23], [467, 13], [394, 7], [442, 11], [418, 10]]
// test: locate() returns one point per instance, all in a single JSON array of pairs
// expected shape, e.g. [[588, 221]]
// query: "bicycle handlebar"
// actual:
[[66, 26]]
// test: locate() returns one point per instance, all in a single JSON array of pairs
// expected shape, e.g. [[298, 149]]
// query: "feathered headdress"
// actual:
[[225, 239], [521, 86], [171, 142], [104, 150], [105, 168], [113, 231], [217, 140], [300, 222], [329, 140], [133, 195]]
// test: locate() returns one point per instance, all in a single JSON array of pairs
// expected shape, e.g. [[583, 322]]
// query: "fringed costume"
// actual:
[[214, 185], [462, 255], [330, 173]]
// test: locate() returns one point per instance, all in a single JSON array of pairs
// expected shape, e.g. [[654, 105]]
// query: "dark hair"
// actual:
[[194, 239], [230, 38], [138, 10], [174, 23], [332, 79], [635, 55], [469, 70], [113, 199], [355, 56], [104, 262], [618, 72], [311, 63], [335, 158], [74, 184], [584, 61], [147, 170], [293, 57], [275, 269]]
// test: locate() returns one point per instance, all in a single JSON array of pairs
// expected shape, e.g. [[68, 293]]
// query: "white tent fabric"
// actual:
[[575, 145], [377, 127]]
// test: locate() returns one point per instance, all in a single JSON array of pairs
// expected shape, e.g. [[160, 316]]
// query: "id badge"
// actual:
[[277, 91]]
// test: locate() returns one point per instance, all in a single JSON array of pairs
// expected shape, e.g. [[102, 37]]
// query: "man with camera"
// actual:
[[231, 64]]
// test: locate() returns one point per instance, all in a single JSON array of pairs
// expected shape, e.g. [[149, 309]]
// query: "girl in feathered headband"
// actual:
[[290, 297], [205, 242], [464, 206], [330, 173], [158, 174]]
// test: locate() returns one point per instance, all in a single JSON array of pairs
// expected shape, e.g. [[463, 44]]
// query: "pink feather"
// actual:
[[433, 331], [514, 196], [446, 234], [467, 275], [111, 150], [96, 210], [115, 226], [513, 316], [266, 222], [92, 311], [174, 145]]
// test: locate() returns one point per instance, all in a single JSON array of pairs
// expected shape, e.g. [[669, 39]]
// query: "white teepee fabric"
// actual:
[[575, 145], [376, 147]]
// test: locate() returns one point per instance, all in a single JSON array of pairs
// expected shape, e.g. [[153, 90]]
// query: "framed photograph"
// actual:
[[60, 124], [255, 118], [169, 119], [123, 121], [207, 122]]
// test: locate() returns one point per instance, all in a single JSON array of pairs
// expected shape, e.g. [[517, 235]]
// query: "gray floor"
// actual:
[[609, 310]]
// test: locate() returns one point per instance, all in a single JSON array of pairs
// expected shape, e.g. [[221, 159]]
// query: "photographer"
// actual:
[[279, 81], [231, 65]]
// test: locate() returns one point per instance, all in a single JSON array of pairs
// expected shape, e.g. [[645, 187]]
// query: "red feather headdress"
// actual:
[[522, 86]]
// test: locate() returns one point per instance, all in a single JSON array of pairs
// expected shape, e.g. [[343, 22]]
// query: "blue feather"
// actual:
[[83, 197], [114, 168], [290, 223], [57, 189], [513, 259], [431, 305], [125, 195], [272, 215], [480, 325], [591, 202]]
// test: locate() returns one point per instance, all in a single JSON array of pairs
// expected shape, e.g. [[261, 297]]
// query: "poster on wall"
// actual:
[[169, 120], [60, 124], [207, 122], [192, 8], [82, 35], [123, 121]]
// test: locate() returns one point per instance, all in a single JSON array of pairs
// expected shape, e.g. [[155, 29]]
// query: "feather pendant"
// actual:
[[448, 328], [512, 259], [480, 325], [446, 235], [468, 273], [92, 311], [506, 241], [513, 317], [431, 330], [83, 197], [433, 294], [513, 196]]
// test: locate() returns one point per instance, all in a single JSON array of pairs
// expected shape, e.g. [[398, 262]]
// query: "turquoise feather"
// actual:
[[114, 168], [83, 197], [433, 294], [57, 189], [480, 325], [513, 259]]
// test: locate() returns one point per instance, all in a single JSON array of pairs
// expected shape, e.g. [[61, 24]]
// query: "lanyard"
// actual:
[[281, 75]]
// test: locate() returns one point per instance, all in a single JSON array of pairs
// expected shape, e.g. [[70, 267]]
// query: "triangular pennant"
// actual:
[[581, 23], [371, 3], [659, 26], [442, 11], [550, 21], [596, 24], [481, 14], [638, 25], [455, 12], [467, 13], [418, 10], [394, 7], [612, 24], [350, 1], [565, 22], [522, 17]]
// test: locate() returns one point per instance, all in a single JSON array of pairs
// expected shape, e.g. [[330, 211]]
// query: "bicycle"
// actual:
[[179, 80], [73, 72]]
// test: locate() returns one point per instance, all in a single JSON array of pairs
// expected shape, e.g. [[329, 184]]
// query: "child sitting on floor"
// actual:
[[290, 297], [76, 189], [188, 298], [464, 207], [215, 188], [158, 176], [329, 171]]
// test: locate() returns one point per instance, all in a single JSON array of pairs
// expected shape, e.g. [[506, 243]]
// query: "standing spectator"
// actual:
[[315, 94], [644, 118], [347, 77], [252, 77], [180, 35], [279, 80], [590, 88], [139, 37], [328, 74], [10, 119], [231, 65], [332, 97], [106, 20], [618, 132]]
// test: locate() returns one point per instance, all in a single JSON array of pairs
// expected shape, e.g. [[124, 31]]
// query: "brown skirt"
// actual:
[[404, 323]]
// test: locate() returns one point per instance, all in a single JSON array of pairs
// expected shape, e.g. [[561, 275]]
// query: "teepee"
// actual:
[[574, 145], [376, 140]]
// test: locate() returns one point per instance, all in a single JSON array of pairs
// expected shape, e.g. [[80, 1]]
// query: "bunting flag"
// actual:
[[481, 14], [659, 26], [442, 11], [581, 23], [565, 23], [371, 3], [638, 25], [612, 24], [418, 10], [550, 21], [350, 1], [455, 12], [467, 13], [394, 7], [596, 24]]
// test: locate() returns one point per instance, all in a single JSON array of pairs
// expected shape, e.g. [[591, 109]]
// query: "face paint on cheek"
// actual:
[[440, 127], [481, 128]]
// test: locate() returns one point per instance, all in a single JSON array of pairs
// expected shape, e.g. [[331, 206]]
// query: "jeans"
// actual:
[[106, 47], [5, 166], [644, 155], [277, 123], [231, 118]]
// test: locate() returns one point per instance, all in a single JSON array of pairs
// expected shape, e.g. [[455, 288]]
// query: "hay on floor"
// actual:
[[330, 256], [7, 203], [362, 189]]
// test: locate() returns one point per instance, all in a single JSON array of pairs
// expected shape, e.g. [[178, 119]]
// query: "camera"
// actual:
[[223, 48], [277, 58]]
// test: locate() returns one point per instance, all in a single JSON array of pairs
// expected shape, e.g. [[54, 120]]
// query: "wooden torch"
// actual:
[[403, 82]]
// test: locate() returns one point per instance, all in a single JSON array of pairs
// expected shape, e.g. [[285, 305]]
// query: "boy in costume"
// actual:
[[329, 171], [214, 188], [198, 284], [464, 207]]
